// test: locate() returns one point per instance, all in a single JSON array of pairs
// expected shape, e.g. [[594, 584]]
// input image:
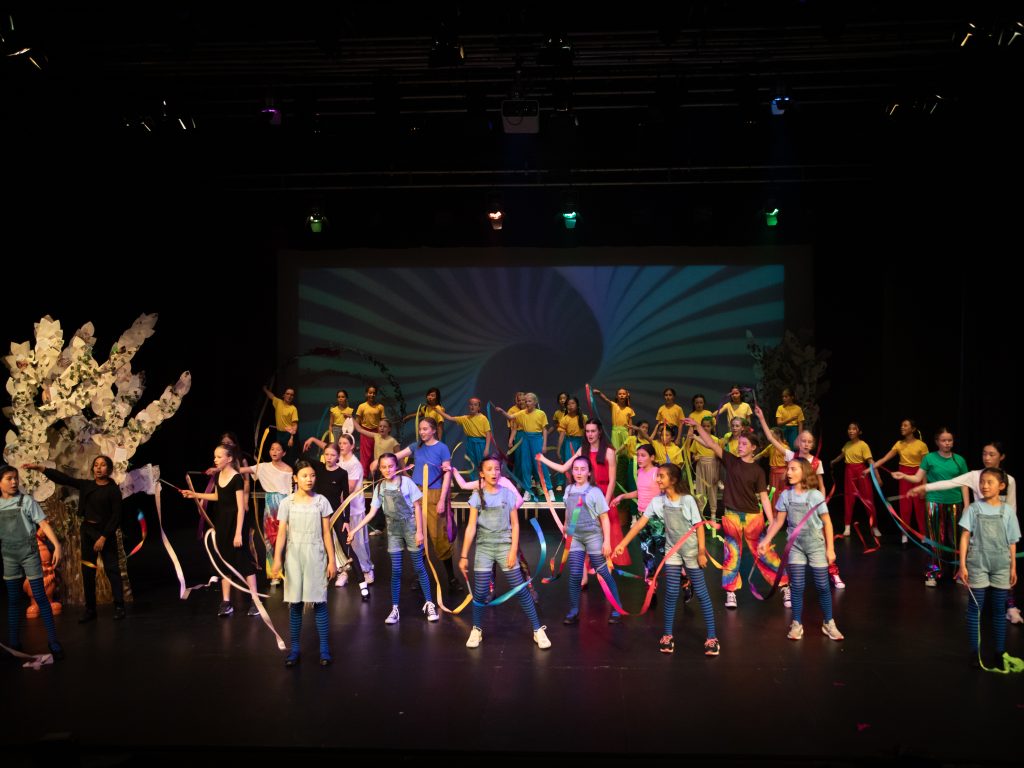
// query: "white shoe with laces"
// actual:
[[342, 579], [846, 531], [730, 600], [787, 597], [476, 636], [830, 630], [393, 616], [796, 631], [540, 637]]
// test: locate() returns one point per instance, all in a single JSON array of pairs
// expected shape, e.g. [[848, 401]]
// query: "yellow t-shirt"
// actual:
[[674, 455], [857, 453], [556, 417], [534, 421], [729, 443], [370, 415], [473, 426], [431, 411], [284, 415], [742, 410], [672, 416], [340, 414], [699, 450], [789, 415], [699, 416], [911, 452], [776, 458], [632, 443], [571, 426], [382, 445], [621, 416]]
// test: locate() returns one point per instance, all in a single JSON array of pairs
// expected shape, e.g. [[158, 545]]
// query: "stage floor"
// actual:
[[173, 676]]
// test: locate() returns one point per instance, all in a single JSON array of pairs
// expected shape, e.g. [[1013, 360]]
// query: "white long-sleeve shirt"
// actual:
[[972, 480]]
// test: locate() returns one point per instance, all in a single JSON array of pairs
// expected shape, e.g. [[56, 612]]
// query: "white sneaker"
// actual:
[[838, 582], [903, 539], [540, 637], [393, 616], [475, 638], [846, 531], [831, 630], [431, 610], [730, 599], [1013, 615], [796, 631], [929, 581], [342, 579], [787, 598], [368, 575], [275, 582], [876, 533]]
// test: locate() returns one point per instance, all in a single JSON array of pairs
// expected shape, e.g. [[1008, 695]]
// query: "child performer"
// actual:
[[856, 456], [652, 535], [707, 465], [911, 451], [477, 429], [790, 417], [494, 523], [679, 512], [99, 504], [804, 450], [368, 416], [602, 462], [746, 506], [305, 530], [943, 506], [814, 545], [276, 480], [671, 412], [532, 428], [341, 420], [230, 524], [400, 498], [734, 407], [622, 415], [591, 536], [988, 561], [992, 455], [286, 417], [19, 516], [570, 436], [432, 453]]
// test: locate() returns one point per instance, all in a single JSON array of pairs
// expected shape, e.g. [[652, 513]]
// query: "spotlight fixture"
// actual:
[[495, 215], [316, 222], [570, 216], [557, 51], [445, 49]]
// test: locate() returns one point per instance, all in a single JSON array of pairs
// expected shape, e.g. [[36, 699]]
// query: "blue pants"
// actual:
[[526, 464], [475, 453]]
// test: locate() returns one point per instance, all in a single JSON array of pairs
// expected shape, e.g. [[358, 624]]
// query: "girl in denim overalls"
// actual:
[[586, 513], [19, 516], [678, 511], [813, 547], [305, 529], [988, 560], [400, 500], [494, 523]]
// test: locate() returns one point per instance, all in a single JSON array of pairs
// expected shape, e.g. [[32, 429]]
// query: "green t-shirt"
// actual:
[[936, 468]]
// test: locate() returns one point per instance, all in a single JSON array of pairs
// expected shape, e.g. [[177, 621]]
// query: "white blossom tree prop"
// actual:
[[67, 409]]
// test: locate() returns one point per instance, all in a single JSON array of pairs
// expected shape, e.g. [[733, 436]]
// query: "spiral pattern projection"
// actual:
[[491, 331]]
